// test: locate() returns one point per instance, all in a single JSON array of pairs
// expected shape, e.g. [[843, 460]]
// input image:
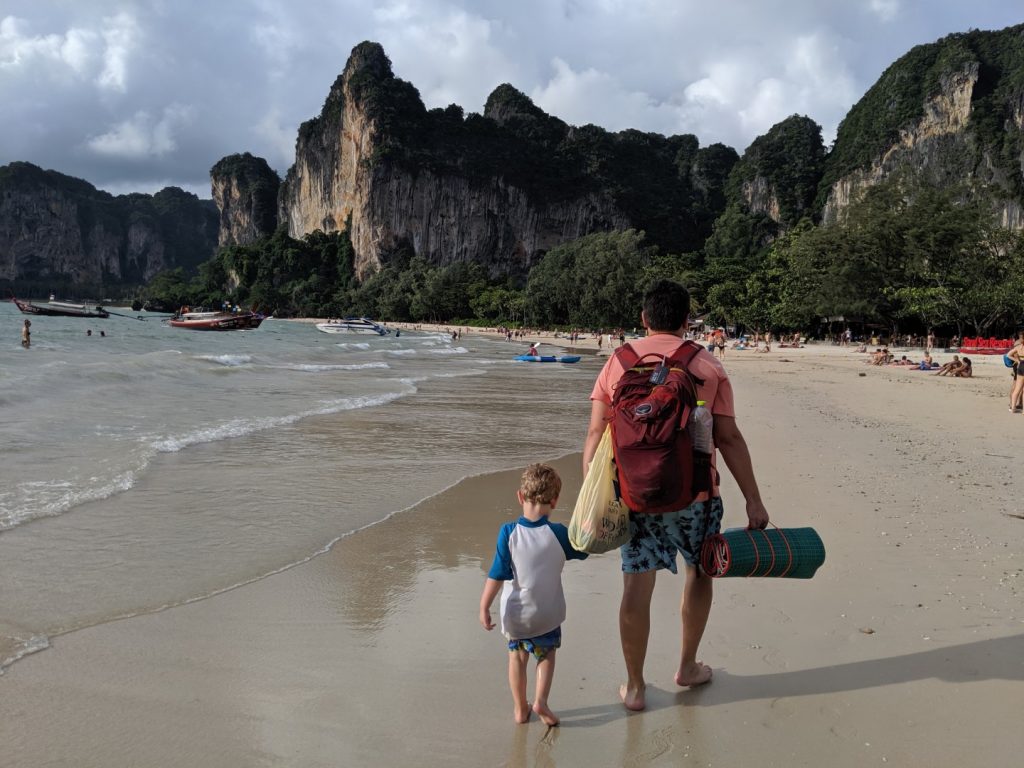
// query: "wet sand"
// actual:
[[907, 648]]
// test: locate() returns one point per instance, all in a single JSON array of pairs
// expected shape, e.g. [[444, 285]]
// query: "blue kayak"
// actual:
[[548, 358]]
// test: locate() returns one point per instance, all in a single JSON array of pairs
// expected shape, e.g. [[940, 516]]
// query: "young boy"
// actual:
[[529, 560]]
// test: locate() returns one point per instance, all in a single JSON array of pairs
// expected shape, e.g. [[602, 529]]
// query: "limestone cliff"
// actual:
[[948, 114], [497, 189], [778, 175], [245, 191], [759, 196], [61, 233]]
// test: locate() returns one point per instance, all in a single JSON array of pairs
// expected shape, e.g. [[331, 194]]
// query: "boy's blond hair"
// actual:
[[540, 484]]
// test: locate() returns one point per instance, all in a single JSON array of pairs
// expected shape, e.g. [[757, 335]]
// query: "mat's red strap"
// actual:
[[771, 548], [789, 550], [757, 554]]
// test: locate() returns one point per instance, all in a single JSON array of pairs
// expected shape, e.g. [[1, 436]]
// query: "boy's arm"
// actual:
[[501, 571], [562, 534], [491, 589]]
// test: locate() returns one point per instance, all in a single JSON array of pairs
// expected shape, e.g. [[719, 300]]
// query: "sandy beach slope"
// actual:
[[906, 649]]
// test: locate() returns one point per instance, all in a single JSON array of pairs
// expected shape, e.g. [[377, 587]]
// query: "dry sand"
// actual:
[[906, 649]]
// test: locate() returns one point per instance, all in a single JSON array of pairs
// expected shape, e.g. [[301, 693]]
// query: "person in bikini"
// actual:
[[1016, 356], [950, 368]]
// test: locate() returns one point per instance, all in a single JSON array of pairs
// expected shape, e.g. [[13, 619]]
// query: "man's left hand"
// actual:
[[757, 515]]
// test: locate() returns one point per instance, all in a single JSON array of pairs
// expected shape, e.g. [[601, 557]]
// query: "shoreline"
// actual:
[[987, 363], [325, 663]]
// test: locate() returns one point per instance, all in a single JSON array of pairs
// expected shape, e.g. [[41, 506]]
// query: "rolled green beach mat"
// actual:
[[791, 553]]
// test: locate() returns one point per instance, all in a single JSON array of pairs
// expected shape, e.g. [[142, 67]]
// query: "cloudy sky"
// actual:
[[135, 95]]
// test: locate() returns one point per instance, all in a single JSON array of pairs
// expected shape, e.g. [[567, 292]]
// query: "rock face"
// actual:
[[451, 188], [778, 175], [61, 233], [966, 128], [245, 191], [759, 196], [941, 131]]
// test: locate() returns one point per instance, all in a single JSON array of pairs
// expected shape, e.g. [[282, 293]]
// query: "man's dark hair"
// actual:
[[666, 306]]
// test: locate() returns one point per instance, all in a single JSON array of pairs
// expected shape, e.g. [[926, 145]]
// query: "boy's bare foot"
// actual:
[[694, 674], [633, 698], [546, 715], [522, 715]]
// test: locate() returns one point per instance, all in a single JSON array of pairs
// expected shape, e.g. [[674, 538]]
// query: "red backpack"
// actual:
[[658, 469]]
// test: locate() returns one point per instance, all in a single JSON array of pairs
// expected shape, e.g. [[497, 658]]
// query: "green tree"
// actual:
[[595, 281]]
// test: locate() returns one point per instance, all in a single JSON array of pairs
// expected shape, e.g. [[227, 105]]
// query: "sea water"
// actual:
[[154, 466]]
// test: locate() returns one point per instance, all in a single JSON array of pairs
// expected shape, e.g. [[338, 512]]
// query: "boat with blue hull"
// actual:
[[548, 358]]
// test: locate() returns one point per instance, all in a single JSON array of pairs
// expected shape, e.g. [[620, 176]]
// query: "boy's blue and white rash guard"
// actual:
[[529, 560]]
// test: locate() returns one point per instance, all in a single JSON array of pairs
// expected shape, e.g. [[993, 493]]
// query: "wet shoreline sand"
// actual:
[[904, 649]]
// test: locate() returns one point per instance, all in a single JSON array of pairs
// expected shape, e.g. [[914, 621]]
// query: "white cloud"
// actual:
[[451, 55], [79, 50], [121, 34], [22, 50], [279, 137], [140, 136], [597, 97], [886, 10]]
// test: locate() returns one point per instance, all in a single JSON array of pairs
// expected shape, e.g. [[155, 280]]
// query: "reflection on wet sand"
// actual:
[[436, 534]]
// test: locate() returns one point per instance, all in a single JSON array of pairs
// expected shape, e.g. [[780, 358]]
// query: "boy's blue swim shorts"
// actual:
[[539, 646]]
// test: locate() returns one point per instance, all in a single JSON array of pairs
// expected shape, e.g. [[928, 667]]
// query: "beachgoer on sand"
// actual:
[[950, 367], [656, 539], [965, 371], [718, 339], [527, 570], [1016, 356]]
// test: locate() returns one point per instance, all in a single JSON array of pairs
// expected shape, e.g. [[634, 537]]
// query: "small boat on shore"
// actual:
[[54, 308], [353, 325], [548, 358], [217, 321]]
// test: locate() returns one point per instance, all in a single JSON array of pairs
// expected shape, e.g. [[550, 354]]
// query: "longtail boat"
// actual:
[[59, 309], [217, 321]]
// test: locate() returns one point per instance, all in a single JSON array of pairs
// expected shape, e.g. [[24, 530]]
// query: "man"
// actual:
[[656, 539]]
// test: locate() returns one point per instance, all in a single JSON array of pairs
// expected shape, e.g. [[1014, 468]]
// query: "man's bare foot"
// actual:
[[694, 674], [522, 715], [633, 698], [546, 715]]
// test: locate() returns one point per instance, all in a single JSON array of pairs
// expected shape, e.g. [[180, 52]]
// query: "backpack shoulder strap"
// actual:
[[684, 355], [627, 356]]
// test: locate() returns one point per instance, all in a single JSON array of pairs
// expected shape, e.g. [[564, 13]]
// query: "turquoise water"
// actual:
[[154, 466]]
